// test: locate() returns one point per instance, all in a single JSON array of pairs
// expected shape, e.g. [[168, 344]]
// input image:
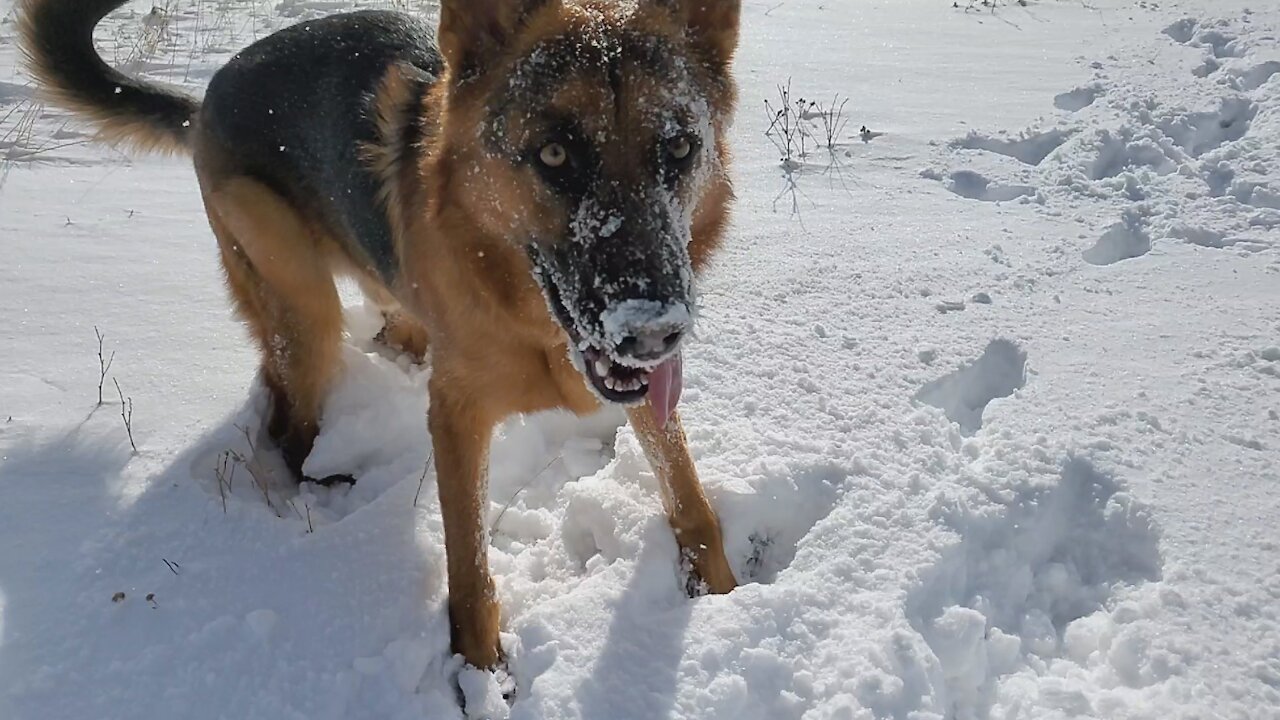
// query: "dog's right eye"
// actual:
[[553, 155], [565, 164]]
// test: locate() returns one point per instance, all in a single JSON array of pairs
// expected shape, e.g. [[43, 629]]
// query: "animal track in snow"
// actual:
[[1219, 239], [1206, 68], [1254, 77], [1188, 31], [1204, 237], [808, 493], [972, 185], [1257, 196], [1200, 132], [1077, 99], [1120, 151], [1182, 31], [1220, 44], [965, 393], [1012, 586], [1031, 149], [1122, 241]]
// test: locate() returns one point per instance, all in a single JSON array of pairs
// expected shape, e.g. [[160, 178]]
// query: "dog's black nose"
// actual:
[[649, 344], [645, 330]]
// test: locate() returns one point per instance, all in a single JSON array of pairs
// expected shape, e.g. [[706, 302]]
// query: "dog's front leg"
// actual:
[[695, 524], [460, 433]]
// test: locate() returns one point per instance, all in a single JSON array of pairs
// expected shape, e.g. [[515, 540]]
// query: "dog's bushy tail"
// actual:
[[57, 38]]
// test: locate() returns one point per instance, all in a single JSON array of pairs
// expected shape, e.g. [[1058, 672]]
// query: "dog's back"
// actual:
[[294, 110]]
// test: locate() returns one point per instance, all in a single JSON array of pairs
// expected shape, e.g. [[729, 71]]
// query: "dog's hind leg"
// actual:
[[695, 524], [280, 279]]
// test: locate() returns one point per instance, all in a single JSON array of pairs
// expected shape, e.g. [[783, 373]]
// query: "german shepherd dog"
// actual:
[[529, 200]]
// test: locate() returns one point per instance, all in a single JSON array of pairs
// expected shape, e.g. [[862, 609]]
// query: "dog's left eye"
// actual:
[[553, 155], [680, 148]]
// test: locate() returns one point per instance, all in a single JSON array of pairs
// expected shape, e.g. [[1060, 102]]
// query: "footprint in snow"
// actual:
[[1030, 149], [1192, 33], [1252, 78], [1009, 593], [975, 186], [1077, 99], [964, 394], [765, 540], [1125, 240], [1200, 132]]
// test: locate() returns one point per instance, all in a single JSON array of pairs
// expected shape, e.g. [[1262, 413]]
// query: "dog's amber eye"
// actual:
[[679, 147], [553, 155]]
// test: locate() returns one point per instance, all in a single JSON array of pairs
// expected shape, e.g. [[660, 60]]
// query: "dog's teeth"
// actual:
[[602, 367]]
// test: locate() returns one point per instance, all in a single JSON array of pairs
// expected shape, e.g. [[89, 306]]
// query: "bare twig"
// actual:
[[494, 527], [803, 110], [104, 363], [248, 463], [787, 129], [833, 120], [226, 474], [423, 479], [174, 567], [126, 414]]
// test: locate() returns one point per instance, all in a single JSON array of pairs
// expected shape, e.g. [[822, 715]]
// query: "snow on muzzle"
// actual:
[[625, 300]]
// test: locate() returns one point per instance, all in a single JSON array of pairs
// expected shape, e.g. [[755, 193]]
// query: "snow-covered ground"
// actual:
[[988, 401]]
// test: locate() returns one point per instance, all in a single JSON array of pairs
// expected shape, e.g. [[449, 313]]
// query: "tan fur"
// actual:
[[284, 289], [123, 132], [394, 112], [694, 522], [400, 330]]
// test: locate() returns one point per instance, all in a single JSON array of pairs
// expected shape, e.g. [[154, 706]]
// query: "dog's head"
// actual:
[[590, 135]]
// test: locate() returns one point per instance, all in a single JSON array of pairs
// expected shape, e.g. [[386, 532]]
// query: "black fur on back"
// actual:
[[294, 109]]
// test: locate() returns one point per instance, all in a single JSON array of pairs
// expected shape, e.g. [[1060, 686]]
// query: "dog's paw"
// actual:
[[705, 573], [486, 694], [330, 480], [402, 334]]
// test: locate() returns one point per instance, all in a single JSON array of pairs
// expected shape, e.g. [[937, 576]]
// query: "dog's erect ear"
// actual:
[[473, 33], [712, 24]]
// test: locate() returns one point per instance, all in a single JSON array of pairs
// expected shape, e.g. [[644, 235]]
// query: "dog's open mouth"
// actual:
[[614, 381]]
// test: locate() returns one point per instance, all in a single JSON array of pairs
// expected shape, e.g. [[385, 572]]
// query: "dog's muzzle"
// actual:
[[628, 350]]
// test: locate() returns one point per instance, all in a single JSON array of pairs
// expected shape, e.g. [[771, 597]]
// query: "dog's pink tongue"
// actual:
[[665, 383]]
